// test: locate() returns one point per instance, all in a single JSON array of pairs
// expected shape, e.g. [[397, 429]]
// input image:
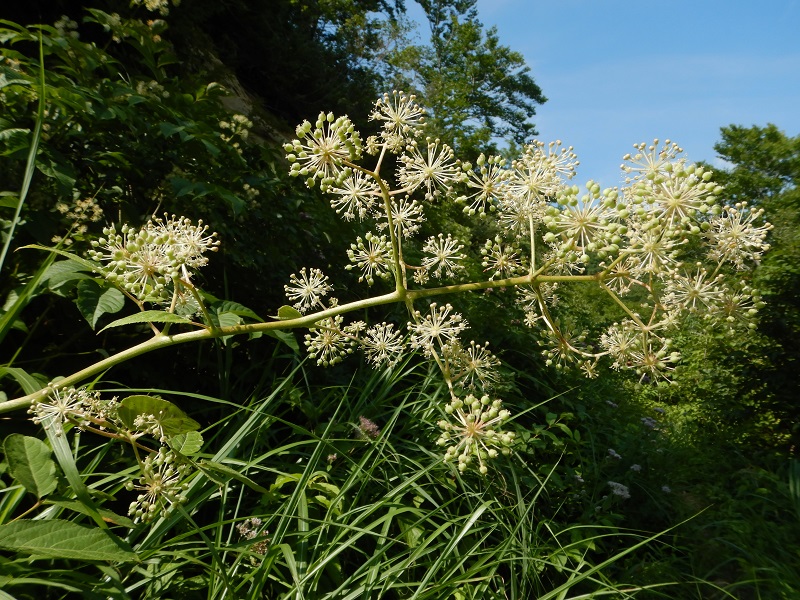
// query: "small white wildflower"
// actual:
[[619, 490]]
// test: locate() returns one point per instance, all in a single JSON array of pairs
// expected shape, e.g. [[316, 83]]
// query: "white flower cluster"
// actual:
[[659, 247], [149, 261]]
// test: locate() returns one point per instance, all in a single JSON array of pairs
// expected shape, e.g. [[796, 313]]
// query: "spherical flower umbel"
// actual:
[[372, 255], [437, 171], [307, 288], [402, 118], [355, 196], [445, 256], [489, 182], [383, 345], [437, 329], [146, 262], [61, 406], [188, 242], [472, 367], [162, 485], [649, 162], [323, 149], [738, 235], [328, 343], [499, 259], [474, 436]]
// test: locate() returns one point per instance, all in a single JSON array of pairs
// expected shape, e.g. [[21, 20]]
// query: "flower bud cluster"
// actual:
[[487, 185], [146, 262], [474, 436], [403, 120], [373, 256], [329, 343], [322, 149], [162, 485], [436, 170], [630, 241]]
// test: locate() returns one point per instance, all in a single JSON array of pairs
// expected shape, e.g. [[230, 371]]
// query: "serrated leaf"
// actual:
[[219, 468], [186, 443], [286, 337], [108, 515], [148, 316], [228, 319], [30, 463], [95, 300], [228, 306], [171, 419], [64, 539], [287, 312], [64, 271]]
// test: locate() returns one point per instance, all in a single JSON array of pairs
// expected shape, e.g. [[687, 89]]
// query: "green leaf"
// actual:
[[62, 272], [63, 453], [64, 539], [186, 443], [95, 300], [26, 381], [286, 337], [228, 306], [172, 420], [64, 173], [29, 462], [8, 200], [87, 264], [108, 515], [228, 319], [286, 313], [148, 316]]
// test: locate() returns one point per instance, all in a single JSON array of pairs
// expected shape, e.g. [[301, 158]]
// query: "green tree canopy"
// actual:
[[476, 89], [766, 162]]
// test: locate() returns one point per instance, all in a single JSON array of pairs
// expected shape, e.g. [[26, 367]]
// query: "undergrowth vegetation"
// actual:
[[169, 431]]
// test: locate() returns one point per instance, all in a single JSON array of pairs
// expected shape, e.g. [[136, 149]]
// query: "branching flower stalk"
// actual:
[[630, 242]]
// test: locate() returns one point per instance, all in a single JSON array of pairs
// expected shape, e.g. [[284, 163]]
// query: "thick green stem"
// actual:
[[163, 340]]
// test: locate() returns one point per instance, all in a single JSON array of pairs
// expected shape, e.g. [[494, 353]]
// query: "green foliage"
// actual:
[[57, 539], [478, 91], [290, 484], [29, 463]]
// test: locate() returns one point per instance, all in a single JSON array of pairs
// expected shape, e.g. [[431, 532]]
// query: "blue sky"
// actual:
[[617, 72]]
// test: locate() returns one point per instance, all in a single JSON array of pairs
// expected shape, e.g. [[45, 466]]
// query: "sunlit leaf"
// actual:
[[95, 300], [30, 463], [64, 539]]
